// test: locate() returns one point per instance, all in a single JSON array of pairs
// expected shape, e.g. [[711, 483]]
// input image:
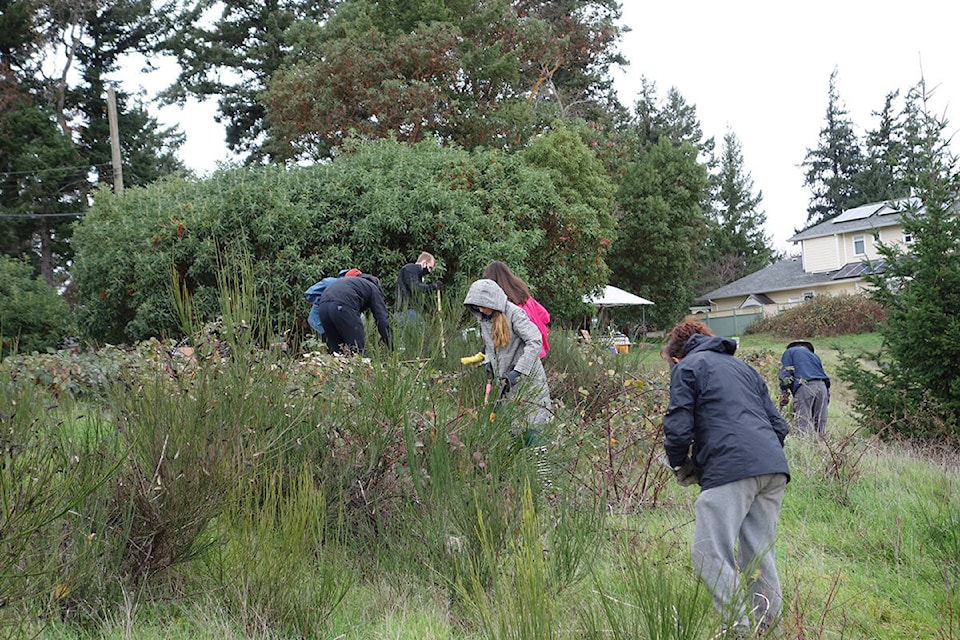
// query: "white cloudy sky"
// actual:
[[757, 67], [762, 69]]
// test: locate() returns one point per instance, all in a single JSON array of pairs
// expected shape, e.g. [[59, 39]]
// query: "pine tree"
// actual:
[[917, 383], [736, 244], [661, 225], [832, 168], [673, 118], [882, 175]]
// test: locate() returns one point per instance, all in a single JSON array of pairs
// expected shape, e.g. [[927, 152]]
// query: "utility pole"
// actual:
[[114, 141]]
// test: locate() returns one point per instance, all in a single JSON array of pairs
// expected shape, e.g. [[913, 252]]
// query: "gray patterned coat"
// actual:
[[521, 353]]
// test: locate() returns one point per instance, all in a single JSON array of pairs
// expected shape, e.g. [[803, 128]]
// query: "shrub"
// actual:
[[32, 316], [824, 316], [375, 208]]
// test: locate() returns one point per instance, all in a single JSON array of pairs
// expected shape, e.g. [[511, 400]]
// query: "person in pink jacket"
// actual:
[[519, 294]]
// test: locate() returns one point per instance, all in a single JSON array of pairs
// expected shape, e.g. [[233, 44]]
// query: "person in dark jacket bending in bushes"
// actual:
[[340, 307], [801, 373], [722, 430]]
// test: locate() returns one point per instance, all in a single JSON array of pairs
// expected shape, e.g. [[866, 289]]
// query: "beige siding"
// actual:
[[820, 254], [847, 253], [871, 239], [892, 236], [790, 297]]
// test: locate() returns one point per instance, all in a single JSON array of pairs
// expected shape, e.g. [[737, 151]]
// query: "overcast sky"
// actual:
[[762, 69], [757, 67]]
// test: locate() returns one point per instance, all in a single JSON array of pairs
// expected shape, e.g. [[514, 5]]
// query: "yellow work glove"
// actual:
[[477, 359]]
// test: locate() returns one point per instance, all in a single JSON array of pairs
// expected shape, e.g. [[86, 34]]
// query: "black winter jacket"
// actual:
[[411, 290], [721, 407], [361, 293]]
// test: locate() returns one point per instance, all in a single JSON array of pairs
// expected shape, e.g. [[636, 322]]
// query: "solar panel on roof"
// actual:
[[898, 206], [855, 269], [859, 213], [849, 270]]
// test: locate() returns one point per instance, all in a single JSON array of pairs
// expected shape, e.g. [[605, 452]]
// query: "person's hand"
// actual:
[[687, 473], [509, 380], [489, 370], [437, 285], [784, 399]]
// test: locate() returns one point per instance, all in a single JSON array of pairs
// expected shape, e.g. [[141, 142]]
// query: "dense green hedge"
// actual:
[[33, 317], [375, 207]]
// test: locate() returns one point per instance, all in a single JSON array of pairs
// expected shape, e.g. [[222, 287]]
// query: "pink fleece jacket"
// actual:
[[540, 317]]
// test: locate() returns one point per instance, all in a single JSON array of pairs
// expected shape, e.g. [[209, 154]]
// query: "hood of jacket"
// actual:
[[700, 342], [485, 293]]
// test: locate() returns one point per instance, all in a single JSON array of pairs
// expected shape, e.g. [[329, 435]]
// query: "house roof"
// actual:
[[863, 218], [786, 274], [759, 299]]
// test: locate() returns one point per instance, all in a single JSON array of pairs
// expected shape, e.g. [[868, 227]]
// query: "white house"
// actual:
[[834, 256]]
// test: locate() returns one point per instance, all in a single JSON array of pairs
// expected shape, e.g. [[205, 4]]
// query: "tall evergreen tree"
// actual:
[[832, 168], [882, 175], [917, 381], [737, 244], [661, 225], [673, 118], [54, 135]]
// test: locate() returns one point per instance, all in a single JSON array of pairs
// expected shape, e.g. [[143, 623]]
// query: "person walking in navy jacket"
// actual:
[[722, 430]]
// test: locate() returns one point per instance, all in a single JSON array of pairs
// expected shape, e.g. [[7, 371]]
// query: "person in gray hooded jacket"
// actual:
[[512, 347]]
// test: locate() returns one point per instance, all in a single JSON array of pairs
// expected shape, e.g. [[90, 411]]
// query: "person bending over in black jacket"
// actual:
[[340, 307], [722, 430]]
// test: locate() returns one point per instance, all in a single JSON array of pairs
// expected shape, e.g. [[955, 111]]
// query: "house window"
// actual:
[[907, 238], [859, 245], [808, 295]]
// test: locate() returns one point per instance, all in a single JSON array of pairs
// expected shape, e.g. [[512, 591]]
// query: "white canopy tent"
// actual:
[[612, 296]]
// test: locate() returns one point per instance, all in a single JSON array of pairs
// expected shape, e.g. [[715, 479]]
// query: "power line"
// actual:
[[7, 174], [42, 215]]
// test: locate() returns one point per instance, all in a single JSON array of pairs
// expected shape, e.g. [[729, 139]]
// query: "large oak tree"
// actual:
[[473, 73]]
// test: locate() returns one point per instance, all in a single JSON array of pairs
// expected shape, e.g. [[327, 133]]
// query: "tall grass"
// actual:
[[280, 568], [244, 492], [53, 460], [525, 599]]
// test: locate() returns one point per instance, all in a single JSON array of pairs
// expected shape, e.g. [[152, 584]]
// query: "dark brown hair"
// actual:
[[516, 289], [679, 336]]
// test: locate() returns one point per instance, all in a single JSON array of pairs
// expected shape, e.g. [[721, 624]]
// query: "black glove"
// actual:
[[784, 399], [509, 380], [489, 369], [687, 473], [436, 286]]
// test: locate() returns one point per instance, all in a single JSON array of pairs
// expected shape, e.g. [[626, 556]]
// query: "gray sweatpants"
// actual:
[[734, 532], [810, 406]]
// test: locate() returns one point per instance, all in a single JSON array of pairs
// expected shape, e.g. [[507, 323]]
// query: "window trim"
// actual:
[[862, 239]]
